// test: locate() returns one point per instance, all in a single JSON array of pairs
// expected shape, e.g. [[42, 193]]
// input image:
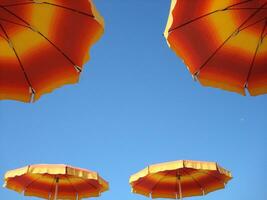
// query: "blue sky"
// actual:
[[136, 104]]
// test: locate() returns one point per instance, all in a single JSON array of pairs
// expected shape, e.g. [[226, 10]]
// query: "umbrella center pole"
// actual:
[[56, 189], [180, 187]]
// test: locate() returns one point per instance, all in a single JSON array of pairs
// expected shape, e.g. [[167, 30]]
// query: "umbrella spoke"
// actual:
[[51, 188], [208, 14], [255, 54]]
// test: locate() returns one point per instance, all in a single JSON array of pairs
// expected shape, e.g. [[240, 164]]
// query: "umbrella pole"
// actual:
[[180, 187], [56, 190]]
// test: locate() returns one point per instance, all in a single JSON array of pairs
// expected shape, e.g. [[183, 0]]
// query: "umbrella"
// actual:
[[55, 182], [178, 179], [44, 45], [223, 43]]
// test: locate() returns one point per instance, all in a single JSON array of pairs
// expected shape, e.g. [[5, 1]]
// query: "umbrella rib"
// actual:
[[178, 184], [256, 52], [18, 58], [34, 30], [198, 183], [52, 186], [9, 21], [207, 14], [235, 32], [51, 4], [249, 8]]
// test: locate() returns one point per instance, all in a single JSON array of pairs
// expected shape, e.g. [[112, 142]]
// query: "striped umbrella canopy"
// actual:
[[44, 45], [178, 179], [223, 43], [55, 182]]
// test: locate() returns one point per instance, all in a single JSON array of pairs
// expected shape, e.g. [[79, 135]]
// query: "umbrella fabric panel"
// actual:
[[222, 36], [50, 39]]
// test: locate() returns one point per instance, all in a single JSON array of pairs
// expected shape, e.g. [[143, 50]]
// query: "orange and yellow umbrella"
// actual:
[[44, 44], [178, 179], [55, 182], [223, 43]]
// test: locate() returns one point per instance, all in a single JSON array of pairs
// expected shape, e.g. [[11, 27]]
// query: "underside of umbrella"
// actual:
[[44, 45], [223, 43], [178, 179]]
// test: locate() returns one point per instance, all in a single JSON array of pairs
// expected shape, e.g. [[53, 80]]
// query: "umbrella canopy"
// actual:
[[44, 45], [55, 182], [178, 179], [223, 43]]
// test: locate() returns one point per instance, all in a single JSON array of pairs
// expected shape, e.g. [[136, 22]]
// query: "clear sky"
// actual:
[[136, 104]]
